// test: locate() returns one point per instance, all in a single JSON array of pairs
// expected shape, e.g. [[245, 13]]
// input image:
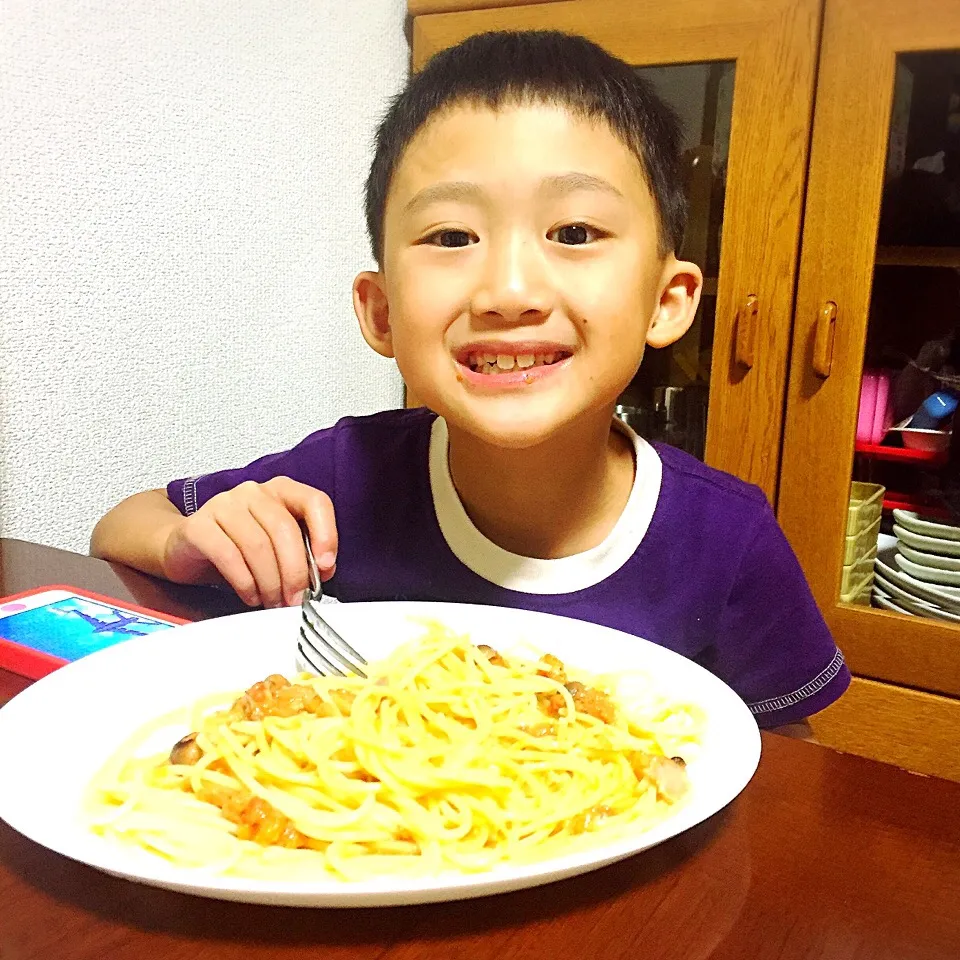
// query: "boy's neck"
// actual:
[[553, 500]]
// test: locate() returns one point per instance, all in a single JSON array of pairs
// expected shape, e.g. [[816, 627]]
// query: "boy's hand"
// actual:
[[251, 536]]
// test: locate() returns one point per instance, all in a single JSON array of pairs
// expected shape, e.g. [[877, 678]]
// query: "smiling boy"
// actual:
[[524, 205]]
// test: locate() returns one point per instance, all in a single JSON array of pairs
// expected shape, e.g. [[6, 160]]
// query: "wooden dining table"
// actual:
[[822, 857]]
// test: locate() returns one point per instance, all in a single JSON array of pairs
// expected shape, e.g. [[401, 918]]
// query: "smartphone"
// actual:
[[42, 629]]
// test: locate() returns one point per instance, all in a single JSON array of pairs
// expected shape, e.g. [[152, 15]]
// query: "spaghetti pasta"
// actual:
[[451, 757]]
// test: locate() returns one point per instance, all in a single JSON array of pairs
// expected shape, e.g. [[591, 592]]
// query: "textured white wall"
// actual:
[[182, 220]]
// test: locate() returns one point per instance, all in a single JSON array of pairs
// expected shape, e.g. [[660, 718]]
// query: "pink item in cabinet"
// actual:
[[875, 417]]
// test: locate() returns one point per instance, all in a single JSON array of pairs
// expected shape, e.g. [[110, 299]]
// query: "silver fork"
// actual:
[[319, 644]]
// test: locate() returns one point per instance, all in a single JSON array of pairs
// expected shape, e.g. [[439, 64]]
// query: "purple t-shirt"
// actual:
[[697, 563]]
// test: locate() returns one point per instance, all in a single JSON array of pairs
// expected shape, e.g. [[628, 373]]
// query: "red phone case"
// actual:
[[35, 664]]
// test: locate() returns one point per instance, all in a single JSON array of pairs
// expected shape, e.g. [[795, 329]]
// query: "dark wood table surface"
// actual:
[[823, 857]]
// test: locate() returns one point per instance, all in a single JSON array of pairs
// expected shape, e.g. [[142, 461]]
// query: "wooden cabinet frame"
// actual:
[[774, 44], [861, 39]]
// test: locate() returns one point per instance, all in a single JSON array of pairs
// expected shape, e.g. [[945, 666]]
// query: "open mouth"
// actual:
[[494, 364]]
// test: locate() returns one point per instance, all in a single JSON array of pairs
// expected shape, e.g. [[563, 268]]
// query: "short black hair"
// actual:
[[537, 66]]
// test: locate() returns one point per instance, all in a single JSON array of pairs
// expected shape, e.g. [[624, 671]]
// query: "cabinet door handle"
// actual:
[[747, 332], [823, 340]]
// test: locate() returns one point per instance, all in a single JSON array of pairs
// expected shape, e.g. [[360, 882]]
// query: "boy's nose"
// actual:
[[515, 283]]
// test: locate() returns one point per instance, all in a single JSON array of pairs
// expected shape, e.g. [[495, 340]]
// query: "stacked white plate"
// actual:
[[918, 569]]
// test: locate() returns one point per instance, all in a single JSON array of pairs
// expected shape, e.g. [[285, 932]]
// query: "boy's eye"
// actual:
[[450, 238], [573, 234]]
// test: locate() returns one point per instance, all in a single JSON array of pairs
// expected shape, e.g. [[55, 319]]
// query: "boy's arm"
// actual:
[[775, 648], [242, 526], [136, 532]]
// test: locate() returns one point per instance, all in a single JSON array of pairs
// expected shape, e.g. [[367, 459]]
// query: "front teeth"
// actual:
[[503, 362]]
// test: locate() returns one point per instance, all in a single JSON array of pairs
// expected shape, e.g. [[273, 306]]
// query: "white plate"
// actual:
[[930, 559], [890, 591], [905, 602], [78, 716], [886, 542], [941, 594], [946, 598], [925, 528], [887, 604], [946, 548], [921, 571]]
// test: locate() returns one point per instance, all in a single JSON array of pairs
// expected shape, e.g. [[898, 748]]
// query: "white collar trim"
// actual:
[[527, 574]]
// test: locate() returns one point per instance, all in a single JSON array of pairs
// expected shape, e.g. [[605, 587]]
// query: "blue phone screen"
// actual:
[[74, 626]]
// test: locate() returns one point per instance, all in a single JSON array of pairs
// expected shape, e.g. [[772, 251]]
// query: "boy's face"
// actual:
[[526, 237]]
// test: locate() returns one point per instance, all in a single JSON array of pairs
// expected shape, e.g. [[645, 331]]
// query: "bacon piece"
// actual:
[[552, 667], [278, 697], [492, 655], [667, 774], [551, 703], [593, 702], [256, 819], [589, 818]]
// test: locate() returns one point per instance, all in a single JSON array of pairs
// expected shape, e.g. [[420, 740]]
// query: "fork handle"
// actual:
[[316, 586]]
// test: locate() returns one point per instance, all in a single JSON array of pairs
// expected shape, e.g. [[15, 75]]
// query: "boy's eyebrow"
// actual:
[[454, 191], [571, 182], [449, 191]]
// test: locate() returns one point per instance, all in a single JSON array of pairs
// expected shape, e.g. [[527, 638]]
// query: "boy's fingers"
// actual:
[[316, 509], [322, 526], [284, 532], [255, 545], [207, 538]]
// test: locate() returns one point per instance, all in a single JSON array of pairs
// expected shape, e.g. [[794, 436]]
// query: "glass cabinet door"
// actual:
[[668, 399], [741, 77], [870, 483]]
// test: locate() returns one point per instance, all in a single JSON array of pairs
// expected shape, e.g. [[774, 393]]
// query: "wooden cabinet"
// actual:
[[866, 44], [805, 181]]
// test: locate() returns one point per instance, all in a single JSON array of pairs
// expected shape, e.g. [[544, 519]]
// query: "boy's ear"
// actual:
[[373, 311], [679, 299]]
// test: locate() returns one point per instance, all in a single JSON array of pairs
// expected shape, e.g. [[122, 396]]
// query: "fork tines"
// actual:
[[323, 648]]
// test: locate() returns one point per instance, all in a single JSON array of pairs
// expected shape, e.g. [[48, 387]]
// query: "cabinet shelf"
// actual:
[[918, 256], [894, 500], [903, 454]]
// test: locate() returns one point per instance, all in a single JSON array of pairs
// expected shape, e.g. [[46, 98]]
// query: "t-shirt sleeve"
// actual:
[[312, 461], [773, 646]]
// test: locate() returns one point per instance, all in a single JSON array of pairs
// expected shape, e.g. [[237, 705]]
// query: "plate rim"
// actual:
[[948, 548], [908, 566], [887, 603], [948, 563], [923, 526]]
